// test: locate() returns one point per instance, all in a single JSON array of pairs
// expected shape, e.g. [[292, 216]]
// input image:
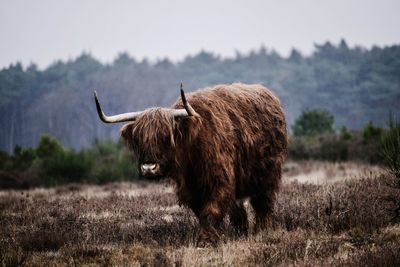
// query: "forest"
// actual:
[[357, 85]]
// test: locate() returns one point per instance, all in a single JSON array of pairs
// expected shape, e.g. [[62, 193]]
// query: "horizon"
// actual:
[[43, 32]]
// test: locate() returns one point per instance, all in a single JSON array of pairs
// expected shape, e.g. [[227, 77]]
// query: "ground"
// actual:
[[326, 214]]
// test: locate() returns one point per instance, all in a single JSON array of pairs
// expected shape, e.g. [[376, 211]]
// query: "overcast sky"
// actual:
[[42, 31]]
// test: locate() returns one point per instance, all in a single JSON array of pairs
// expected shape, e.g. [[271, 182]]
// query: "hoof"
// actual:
[[240, 232], [207, 241]]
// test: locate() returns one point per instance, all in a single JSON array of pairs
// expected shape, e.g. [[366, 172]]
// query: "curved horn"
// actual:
[[131, 116], [188, 111]]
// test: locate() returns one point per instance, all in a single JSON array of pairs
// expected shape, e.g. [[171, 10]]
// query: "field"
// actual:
[[326, 214]]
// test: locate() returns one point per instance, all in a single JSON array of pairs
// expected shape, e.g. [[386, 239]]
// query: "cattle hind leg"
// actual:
[[263, 202], [263, 207]]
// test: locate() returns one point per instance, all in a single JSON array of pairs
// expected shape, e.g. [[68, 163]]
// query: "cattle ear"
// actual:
[[126, 134]]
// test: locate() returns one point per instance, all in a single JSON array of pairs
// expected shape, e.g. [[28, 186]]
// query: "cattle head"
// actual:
[[151, 135]]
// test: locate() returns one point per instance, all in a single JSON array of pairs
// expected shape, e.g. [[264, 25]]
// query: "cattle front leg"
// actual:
[[210, 218], [238, 218]]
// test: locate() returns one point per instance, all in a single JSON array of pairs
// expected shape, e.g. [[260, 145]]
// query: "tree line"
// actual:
[[355, 84]]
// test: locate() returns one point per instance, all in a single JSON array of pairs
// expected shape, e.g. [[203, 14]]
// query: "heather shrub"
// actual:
[[334, 148], [313, 122], [371, 132], [65, 167], [112, 162], [356, 145], [346, 223], [329, 146], [391, 148], [51, 164], [48, 147], [23, 158], [391, 156], [4, 160]]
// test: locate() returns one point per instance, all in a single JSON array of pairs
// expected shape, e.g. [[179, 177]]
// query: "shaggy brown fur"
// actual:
[[234, 149]]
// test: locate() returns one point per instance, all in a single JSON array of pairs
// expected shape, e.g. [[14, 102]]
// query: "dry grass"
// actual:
[[327, 222], [320, 172]]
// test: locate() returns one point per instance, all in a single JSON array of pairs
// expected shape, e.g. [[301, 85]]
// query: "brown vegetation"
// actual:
[[341, 223]]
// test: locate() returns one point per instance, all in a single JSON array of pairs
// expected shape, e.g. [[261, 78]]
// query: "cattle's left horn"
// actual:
[[131, 116], [188, 111]]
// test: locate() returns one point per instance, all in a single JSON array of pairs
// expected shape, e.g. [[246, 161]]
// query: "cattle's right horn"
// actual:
[[131, 116], [188, 111]]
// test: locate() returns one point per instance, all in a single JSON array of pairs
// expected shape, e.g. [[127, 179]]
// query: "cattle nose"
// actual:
[[150, 168]]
